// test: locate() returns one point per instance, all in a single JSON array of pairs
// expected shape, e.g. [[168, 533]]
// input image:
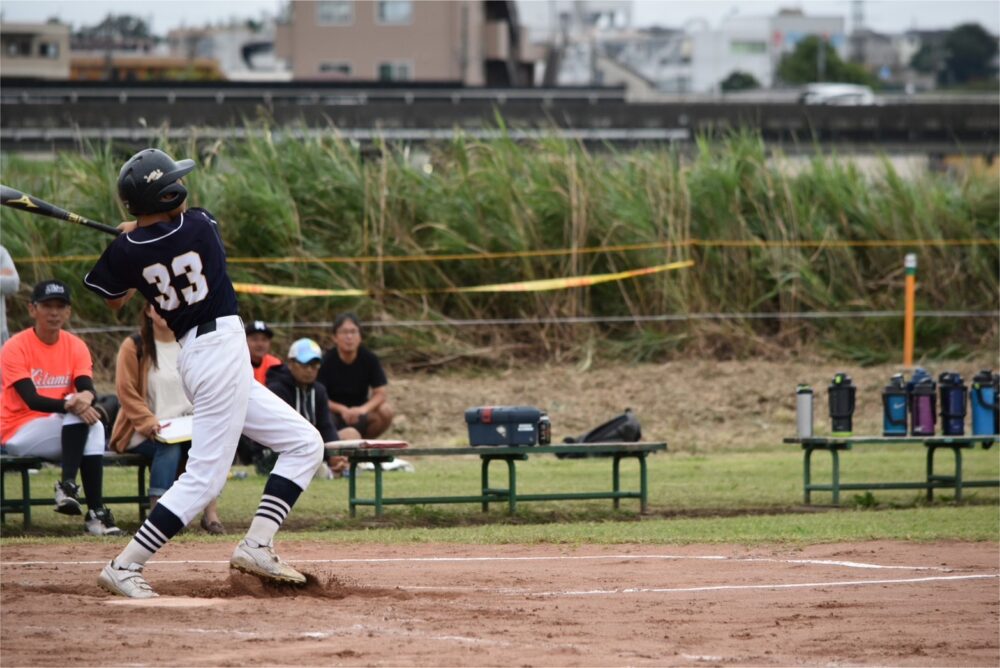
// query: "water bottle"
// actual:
[[894, 407], [544, 429], [983, 400], [953, 393], [804, 411], [919, 375], [841, 394], [923, 402]]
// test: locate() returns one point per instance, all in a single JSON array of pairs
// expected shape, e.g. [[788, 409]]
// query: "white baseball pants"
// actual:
[[218, 380], [42, 437]]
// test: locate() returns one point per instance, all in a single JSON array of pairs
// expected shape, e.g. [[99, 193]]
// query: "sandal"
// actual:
[[214, 527]]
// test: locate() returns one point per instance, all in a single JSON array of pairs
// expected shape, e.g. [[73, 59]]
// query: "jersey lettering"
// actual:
[[188, 265]]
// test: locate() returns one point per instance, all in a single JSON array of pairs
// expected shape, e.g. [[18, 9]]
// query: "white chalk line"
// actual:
[[608, 557], [797, 585]]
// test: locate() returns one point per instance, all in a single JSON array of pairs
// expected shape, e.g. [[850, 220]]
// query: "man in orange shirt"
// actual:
[[259, 337], [46, 409]]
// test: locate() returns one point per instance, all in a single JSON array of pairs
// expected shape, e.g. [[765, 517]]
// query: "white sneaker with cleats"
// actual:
[[127, 582], [264, 563]]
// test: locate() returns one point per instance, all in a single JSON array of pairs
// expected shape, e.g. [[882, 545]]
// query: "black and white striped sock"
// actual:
[[280, 494], [159, 527]]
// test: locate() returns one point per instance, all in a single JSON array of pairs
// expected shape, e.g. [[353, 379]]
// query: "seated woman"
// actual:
[[149, 388]]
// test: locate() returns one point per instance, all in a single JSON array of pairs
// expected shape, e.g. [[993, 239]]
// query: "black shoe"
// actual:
[[68, 498], [101, 522]]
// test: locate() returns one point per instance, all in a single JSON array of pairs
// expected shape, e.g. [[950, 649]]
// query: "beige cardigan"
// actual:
[[134, 415]]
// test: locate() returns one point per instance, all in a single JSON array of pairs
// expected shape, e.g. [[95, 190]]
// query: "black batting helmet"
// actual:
[[148, 177]]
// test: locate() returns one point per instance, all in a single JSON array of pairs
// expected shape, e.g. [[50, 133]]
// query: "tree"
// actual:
[[114, 30], [806, 64], [969, 53], [739, 81]]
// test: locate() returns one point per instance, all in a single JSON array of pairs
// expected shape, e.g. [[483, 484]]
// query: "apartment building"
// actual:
[[34, 50], [471, 42]]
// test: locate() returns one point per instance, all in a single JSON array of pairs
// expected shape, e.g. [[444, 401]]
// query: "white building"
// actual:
[[755, 45]]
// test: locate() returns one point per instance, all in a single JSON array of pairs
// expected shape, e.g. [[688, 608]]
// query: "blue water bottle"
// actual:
[[983, 399], [894, 407], [953, 392]]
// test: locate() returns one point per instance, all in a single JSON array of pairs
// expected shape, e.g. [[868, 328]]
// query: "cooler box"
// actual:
[[503, 425]]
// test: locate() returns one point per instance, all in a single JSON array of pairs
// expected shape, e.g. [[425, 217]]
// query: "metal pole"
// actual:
[[911, 289]]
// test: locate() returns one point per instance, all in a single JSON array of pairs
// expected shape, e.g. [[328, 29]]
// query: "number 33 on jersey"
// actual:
[[175, 265]]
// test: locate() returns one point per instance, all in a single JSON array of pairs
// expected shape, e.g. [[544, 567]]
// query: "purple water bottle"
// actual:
[[923, 402]]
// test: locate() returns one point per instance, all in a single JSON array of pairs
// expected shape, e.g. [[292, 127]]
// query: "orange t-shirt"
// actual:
[[52, 368], [260, 372]]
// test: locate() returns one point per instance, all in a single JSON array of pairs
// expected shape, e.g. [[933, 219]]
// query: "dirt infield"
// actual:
[[880, 603]]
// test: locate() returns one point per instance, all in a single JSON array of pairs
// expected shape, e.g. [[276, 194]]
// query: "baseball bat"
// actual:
[[18, 200]]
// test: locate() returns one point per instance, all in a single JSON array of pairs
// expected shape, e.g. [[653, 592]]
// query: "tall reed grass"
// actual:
[[315, 198]]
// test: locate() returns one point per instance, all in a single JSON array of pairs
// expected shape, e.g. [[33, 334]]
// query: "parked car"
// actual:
[[837, 94]]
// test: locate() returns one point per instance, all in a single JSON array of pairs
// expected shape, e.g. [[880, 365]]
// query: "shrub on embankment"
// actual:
[[824, 238]]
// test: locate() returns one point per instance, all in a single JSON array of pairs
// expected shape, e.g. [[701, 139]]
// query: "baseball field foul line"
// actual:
[[603, 557], [798, 585]]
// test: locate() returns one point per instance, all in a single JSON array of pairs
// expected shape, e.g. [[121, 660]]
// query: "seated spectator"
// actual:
[[47, 405], [259, 337], [149, 388], [295, 382], [355, 381]]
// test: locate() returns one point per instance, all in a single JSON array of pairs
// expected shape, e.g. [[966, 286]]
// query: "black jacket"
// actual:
[[311, 402]]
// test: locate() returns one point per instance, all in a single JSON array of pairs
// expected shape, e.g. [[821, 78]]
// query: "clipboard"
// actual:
[[175, 430]]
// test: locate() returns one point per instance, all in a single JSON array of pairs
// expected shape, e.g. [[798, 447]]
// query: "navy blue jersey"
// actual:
[[179, 266]]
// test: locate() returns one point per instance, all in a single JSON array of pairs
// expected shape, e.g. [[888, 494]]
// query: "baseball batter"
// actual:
[[174, 256]]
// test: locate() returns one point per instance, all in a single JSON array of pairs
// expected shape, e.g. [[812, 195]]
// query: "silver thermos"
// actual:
[[804, 411]]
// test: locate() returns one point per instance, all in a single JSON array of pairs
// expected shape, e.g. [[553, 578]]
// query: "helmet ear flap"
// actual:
[[179, 194]]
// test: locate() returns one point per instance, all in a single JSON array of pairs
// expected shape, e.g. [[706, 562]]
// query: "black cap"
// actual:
[[259, 327], [46, 291]]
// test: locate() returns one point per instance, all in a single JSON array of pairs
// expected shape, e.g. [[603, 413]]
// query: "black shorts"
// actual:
[[361, 426]]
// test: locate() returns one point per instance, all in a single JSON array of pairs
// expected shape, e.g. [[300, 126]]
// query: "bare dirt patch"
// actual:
[[695, 405], [879, 603]]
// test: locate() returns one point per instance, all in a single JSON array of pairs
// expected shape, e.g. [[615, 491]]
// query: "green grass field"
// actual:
[[730, 497]]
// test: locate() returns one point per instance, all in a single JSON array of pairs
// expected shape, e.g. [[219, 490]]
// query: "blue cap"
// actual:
[[305, 351]]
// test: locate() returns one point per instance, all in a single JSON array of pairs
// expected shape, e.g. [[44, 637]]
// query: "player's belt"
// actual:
[[206, 328]]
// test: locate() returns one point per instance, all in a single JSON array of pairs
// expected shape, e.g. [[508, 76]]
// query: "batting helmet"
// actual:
[[148, 182]]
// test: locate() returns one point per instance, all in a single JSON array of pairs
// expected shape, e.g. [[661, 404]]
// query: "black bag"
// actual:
[[107, 406], [624, 428]]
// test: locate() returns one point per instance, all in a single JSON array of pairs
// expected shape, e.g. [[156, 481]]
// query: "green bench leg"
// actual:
[[644, 484], [511, 481], [512, 487], [352, 489], [807, 474], [26, 498], [957, 451], [616, 466], [485, 479], [378, 489]]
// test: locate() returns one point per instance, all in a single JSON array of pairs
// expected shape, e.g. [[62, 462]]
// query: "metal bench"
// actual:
[[509, 454], [931, 482], [23, 504]]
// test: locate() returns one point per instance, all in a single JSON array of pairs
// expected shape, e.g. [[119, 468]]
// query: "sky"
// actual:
[[881, 15]]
